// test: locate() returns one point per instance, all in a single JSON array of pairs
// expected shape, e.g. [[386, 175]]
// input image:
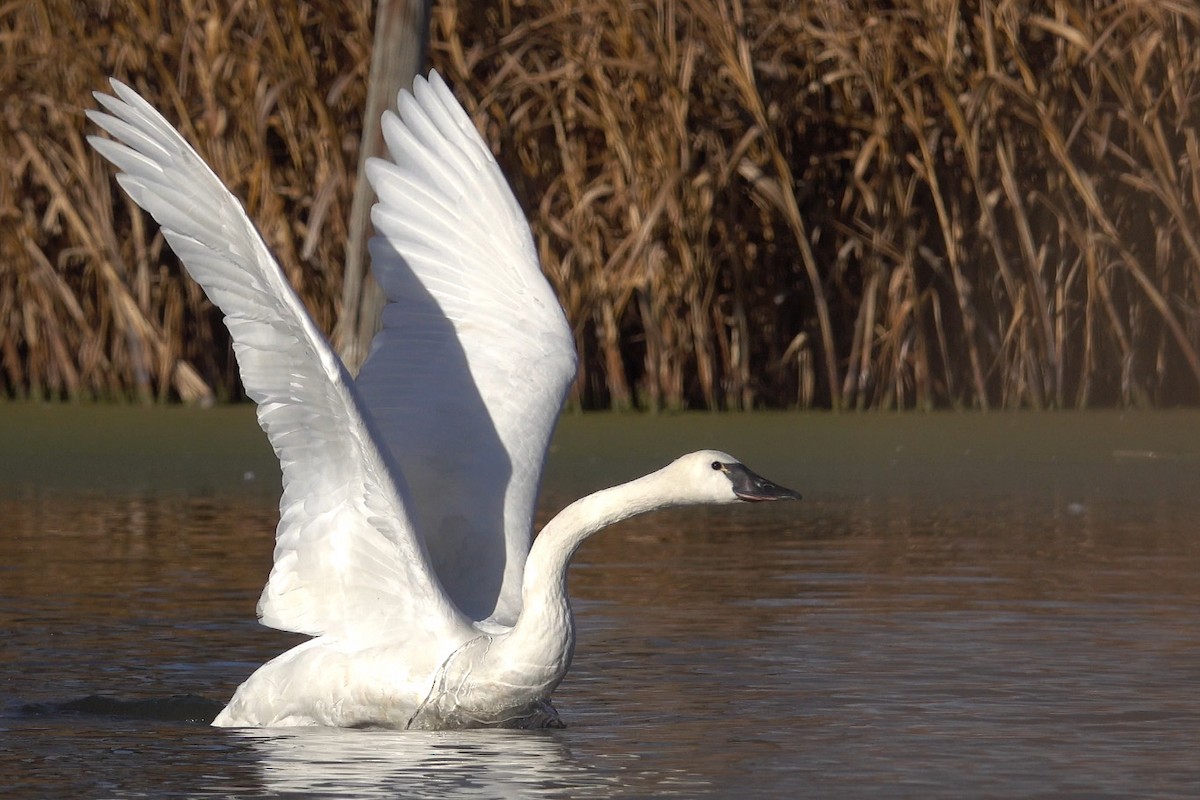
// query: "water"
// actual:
[[996, 606]]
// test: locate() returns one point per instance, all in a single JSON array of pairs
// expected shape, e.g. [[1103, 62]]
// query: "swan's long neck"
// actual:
[[544, 634], [546, 567]]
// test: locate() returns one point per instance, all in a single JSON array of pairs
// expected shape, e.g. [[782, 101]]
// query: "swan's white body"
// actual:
[[403, 544]]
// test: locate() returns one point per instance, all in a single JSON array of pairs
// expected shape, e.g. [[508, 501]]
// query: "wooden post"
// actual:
[[401, 34]]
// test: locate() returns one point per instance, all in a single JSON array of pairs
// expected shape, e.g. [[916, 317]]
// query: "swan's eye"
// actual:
[[717, 466]]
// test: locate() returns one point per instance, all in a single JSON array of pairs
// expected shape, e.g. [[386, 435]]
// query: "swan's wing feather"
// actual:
[[479, 336], [347, 559]]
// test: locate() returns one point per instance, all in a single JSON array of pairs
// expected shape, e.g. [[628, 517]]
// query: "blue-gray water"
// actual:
[[1000, 605]]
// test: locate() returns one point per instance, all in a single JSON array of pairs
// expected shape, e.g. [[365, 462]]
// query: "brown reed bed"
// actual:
[[741, 204], [91, 302]]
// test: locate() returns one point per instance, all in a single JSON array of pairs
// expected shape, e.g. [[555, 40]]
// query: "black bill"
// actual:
[[754, 488]]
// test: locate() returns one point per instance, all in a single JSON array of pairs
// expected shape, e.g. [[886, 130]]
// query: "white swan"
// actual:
[[403, 545]]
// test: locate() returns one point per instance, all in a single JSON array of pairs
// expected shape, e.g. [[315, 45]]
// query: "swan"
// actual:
[[404, 547]]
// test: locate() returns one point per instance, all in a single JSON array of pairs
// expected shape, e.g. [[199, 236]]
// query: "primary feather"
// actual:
[[469, 372], [348, 559]]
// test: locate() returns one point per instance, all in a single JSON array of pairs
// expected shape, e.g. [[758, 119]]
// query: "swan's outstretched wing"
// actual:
[[347, 560], [480, 340]]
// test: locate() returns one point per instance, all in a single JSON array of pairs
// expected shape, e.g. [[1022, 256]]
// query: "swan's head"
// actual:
[[716, 477]]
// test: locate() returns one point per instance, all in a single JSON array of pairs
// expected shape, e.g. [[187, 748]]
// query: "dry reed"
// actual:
[[91, 303], [933, 203]]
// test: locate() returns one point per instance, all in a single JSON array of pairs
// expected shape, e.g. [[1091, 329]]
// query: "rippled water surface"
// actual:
[[1001, 605]]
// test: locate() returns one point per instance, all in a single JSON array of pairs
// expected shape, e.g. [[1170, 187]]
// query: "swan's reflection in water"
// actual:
[[335, 762]]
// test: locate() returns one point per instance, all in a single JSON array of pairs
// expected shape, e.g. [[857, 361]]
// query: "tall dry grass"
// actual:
[[741, 202], [941, 203], [91, 303]]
